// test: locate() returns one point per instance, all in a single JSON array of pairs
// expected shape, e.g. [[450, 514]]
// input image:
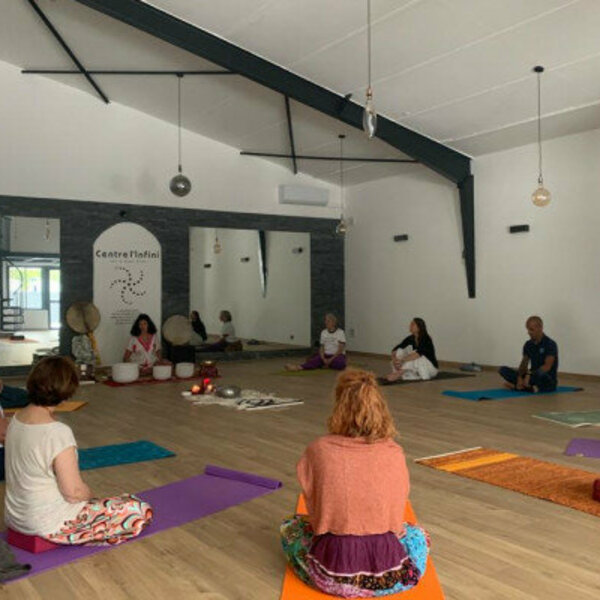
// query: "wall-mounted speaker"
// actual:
[[403, 237], [518, 228]]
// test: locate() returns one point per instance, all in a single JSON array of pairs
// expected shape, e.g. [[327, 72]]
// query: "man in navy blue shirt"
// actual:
[[542, 352]]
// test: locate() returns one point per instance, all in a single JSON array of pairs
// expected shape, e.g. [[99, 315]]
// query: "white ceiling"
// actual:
[[458, 71]]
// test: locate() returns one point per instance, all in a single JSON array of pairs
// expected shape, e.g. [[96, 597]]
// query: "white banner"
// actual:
[[127, 282]]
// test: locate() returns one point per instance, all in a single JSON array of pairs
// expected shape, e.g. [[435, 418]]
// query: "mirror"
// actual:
[[261, 277], [30, 312]]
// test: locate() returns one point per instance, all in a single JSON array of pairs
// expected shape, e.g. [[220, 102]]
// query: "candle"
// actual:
[[196, 389]]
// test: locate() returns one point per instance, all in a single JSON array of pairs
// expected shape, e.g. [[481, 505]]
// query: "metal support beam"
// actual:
[[467, 214], [68, 50], [330, 158], [446, 161], [120, 72], [288, 114]]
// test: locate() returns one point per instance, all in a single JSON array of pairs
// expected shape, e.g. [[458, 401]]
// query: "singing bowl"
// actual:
[[162, 371], [229, 391], [184, 370], [125, 372]]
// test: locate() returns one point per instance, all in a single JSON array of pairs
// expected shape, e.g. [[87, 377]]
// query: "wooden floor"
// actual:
[[487, 543]]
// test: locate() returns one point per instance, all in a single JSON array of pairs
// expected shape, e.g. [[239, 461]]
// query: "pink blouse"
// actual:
[[353, 487]]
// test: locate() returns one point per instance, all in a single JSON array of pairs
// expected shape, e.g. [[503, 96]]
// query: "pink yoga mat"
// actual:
[[174, 504]]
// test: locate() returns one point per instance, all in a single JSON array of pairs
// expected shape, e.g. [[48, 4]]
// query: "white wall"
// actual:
[[35, 235], [552, 271], [230, 284], [60, 142]]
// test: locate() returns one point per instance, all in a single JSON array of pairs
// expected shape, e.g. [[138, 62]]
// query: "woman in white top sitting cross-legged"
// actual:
[[45, 495], [228, 342], [332, 349]]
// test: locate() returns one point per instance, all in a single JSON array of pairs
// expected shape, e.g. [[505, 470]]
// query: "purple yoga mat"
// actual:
[[174, 504], [584, 447]]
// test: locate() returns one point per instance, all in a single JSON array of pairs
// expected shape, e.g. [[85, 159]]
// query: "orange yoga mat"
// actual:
[[428, 588], [66, 406]]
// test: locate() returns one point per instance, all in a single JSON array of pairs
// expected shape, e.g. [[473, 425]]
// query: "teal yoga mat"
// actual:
[[503, 393], [120, 454]]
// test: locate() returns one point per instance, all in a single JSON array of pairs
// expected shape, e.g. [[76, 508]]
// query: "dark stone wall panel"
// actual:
[[82, 222]]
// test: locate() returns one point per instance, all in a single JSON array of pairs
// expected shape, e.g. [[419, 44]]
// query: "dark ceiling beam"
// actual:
[[68, 50], [121, 72], [329, 158], [288, 114], [447, 162]]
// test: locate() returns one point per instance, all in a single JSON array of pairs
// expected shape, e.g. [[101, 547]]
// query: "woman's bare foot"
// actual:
[[509, 386], [394, 376], [290, 367]]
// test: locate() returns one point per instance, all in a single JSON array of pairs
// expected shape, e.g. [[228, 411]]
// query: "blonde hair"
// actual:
[[359, 409]]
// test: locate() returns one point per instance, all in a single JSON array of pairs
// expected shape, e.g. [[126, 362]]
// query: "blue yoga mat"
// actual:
[[503, 393], [120, 454]]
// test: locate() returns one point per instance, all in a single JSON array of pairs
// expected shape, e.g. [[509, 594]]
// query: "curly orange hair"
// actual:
[[359, 409]]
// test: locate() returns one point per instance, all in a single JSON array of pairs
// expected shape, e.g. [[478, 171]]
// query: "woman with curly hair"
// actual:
[[45, 494], [354, 541]]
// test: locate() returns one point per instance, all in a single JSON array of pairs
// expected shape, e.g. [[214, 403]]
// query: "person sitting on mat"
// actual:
[[198, 329], [228, 342], [414, 357], [12, 397], [144, 346], [45, 495], [332, 349], [542, 352], [354, 541]]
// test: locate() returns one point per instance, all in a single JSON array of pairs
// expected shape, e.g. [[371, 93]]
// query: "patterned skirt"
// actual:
[[299, 541], [105, 522]]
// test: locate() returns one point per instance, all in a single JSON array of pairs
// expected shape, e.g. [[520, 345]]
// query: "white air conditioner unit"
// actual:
[[303, 194]]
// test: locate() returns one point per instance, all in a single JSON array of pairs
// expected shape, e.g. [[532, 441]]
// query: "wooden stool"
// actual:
[[30, 543]]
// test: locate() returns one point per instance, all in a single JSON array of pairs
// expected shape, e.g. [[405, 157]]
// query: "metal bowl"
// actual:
[[229, 391]]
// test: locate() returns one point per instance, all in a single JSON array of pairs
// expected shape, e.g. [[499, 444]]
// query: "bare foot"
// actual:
[[290, 367], [509, 386], [394, 376]]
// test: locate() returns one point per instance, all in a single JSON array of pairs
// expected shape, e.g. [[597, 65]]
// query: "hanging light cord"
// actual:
[[539, 124], [369, 42], [342, 174], [179, 78]]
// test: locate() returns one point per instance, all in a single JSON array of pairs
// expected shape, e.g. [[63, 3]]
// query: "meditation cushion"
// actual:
[[596, 490], [30, 543]]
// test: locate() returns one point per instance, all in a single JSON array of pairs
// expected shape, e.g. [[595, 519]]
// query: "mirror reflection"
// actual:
[[30, 313], [250, 288]]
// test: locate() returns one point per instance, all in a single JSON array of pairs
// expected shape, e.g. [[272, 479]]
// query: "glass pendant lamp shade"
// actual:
[[369, 115], [541, 196], [180, 185], [342, 227]]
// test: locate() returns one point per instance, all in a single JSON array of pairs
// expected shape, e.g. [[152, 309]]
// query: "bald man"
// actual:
[[542, 352]]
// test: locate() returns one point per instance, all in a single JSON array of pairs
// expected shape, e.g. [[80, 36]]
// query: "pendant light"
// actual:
[[342, 226], [541, 196], [179, 185], [217, 245], [369, 114]]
